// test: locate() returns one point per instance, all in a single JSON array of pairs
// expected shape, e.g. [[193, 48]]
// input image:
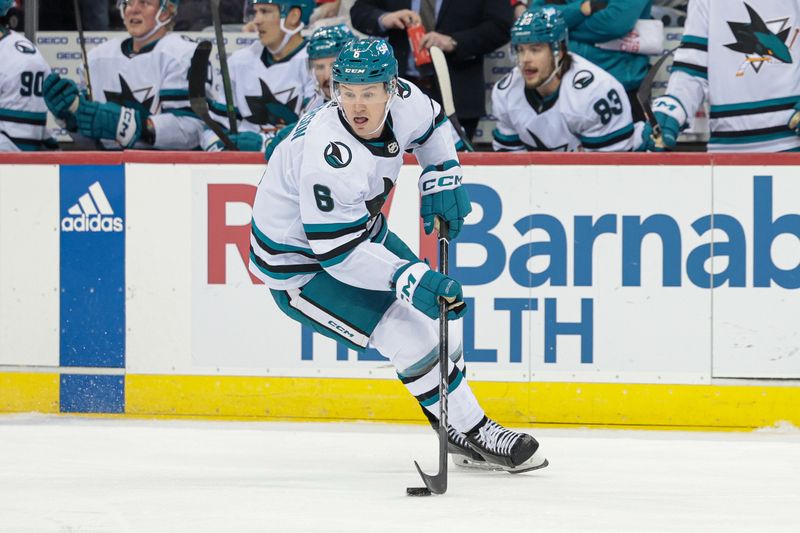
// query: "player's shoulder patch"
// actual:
[[403, 89], [338, 154], [24, 47], [582, 79], [505, 81]]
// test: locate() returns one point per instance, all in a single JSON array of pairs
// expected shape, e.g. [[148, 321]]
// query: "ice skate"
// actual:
[[504, 449]]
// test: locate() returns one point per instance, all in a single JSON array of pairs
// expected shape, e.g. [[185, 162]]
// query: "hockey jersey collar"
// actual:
[[127, 48], [540, 103], [268, 60], [384, 146]]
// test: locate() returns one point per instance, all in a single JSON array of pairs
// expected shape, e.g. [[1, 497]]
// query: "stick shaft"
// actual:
[[223, 67], [82, 40]]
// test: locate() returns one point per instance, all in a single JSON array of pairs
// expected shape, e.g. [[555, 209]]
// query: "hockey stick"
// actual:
[[198, 73], [223, 66], [446, 90], [84, 58], [437, 484], [644, 96]]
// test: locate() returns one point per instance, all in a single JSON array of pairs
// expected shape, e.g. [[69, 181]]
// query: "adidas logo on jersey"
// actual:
[[92, 213]]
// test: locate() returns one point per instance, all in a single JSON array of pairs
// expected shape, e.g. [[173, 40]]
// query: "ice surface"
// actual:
[[88, 475]]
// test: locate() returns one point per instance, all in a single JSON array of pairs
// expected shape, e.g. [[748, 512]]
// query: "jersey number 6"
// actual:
[[322, 195], [606, 110]]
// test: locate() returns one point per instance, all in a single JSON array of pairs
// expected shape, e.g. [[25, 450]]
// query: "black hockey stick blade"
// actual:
[[223, 67], [446, 90], [198, 73], [644, 94], [437, 483]]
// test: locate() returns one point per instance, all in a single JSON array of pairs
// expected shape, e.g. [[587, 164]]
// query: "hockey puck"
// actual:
[[418, 491]]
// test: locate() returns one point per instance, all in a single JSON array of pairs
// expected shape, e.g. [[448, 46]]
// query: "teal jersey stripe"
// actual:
[[603, 138], [758, 104], [22, 115], [691, 72], [319, 228], [694, 39], [751, 138], [174, 92], [336, 260], [506, 139], [181, 113], [278, 275], [278, 246]]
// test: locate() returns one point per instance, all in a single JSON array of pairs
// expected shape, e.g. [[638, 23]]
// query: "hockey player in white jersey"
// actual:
[[554, 100], [270, 79], [23, 113], [744, 57], [140, 91], [321, 244], [323, 46]]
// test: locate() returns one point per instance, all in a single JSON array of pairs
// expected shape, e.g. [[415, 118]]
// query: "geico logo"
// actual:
[[91, 40], [52, 40], [68, 55], [244, 40], [339, 328], [95, 223]]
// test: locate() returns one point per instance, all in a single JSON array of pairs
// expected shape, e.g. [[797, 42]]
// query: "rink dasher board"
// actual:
[[559, 338]]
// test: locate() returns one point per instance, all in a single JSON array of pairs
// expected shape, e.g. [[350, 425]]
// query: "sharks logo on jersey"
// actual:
[[335, 156], [266, 109], [761, 42], [126, 97]]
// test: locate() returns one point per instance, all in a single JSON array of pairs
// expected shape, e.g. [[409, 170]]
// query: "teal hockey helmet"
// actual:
[[366, 61], [328, 41], [540, 25], [306, 7], [5, 5]]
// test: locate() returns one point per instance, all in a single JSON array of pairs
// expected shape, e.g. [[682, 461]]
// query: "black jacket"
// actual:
[[479, 27]]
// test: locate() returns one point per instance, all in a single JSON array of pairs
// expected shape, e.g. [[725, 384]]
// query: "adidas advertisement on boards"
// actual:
[[92, 256], [92, 212]]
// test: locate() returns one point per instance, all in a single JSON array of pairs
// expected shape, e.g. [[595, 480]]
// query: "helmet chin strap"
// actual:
[[287, 34], [158, 26], [556, 68]]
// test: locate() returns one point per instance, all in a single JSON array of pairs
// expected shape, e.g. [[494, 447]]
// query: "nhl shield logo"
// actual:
[[337, 154]]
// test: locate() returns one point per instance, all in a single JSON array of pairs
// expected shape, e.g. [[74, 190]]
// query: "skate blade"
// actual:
[[536, 461], [467, 462]]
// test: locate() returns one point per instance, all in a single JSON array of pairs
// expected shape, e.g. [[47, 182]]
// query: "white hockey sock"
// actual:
[[463, 409]]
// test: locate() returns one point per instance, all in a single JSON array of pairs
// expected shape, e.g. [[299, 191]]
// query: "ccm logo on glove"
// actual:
[[126, 127], [443, 182]]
